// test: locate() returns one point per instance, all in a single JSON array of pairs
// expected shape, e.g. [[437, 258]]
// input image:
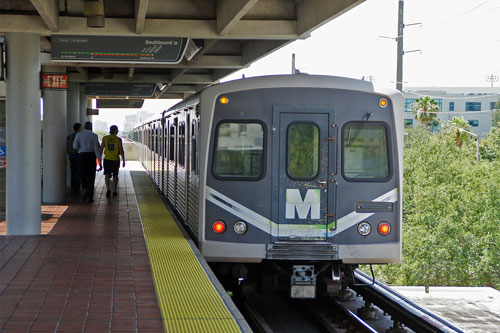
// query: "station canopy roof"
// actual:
[[215, 37]]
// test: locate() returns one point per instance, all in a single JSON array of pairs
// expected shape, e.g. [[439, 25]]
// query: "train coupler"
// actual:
[[303, 282]]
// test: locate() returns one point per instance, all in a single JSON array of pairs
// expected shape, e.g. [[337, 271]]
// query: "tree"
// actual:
[[426, 109], [495, 117], [451, 215], [460, 126]]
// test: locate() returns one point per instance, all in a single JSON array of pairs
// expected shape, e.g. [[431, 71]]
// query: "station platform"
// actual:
[[120, 264], [473, 309]]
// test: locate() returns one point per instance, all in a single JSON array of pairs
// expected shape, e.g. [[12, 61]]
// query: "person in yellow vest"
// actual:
[[112, 147]]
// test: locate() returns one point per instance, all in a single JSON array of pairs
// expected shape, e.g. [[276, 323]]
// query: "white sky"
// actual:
[[459, 43]]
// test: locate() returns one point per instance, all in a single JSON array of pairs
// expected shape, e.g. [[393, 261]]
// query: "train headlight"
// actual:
[[364, 228], [219, 227], [223, 100], [240, 227], [384, 228], [382, 102]]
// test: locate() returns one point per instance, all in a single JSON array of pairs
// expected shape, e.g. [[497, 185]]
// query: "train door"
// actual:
[[306, 171]]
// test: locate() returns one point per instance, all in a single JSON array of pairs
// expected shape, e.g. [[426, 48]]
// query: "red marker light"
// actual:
[[384, 228], [218, 227]]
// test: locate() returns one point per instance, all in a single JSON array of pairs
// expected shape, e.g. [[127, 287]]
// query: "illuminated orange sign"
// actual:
[[55, 81]]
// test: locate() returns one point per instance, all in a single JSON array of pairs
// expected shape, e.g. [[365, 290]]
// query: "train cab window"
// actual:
[[303, 151], [239, 151], [365, 152]]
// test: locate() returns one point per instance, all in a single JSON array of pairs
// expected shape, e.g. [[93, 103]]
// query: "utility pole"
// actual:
[[400, 52]]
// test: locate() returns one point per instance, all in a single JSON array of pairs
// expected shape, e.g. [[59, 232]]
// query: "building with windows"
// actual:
[[100, 126], [475, 104], [135, 119]]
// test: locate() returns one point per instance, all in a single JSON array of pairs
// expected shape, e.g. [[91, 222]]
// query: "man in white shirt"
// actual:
[[89, 149]]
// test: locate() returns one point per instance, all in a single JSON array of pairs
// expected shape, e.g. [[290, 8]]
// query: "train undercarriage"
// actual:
[[304, 280]]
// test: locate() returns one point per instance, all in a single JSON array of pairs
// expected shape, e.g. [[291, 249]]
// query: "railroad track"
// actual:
[[368, 307], [404, 313]]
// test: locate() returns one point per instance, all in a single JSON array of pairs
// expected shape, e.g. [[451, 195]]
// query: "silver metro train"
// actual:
[[292, 179]]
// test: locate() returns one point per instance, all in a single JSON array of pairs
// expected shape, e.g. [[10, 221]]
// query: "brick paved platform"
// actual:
[[90, 273]]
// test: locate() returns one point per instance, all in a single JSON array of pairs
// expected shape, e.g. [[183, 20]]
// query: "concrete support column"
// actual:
[[83, 105], [23, 134], [73, 116], [54, 142], [73, 106]]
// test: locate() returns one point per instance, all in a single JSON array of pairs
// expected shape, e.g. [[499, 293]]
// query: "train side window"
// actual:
[[171, 143], [194, 148], [164, 136], [182, 143], [303, 151], [365, 151], [239, 151]]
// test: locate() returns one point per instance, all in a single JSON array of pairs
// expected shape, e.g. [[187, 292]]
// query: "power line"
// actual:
[[461, 14]]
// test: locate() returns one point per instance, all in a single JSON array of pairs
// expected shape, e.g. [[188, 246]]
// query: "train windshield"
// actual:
[[239, 152], [365, 151]]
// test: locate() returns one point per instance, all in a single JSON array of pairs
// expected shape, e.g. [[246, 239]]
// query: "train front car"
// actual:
[[303, 175]]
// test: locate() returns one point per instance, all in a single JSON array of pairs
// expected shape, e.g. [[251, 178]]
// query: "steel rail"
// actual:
[[400, 308], [355, 319]]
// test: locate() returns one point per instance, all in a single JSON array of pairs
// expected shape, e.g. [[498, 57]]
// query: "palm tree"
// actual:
[[461, 127], [426, 109]]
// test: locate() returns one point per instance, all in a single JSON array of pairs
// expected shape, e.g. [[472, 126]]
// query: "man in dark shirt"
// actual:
[[74, 159]]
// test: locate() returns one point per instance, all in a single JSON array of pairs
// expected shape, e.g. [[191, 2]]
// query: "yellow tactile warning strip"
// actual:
[[188, 300]]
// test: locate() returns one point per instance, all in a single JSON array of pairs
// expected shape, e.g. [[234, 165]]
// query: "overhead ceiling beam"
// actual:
[[172, 96], [83, 72], [196, 29], [49, 11], [131, 71], [311, 14], [176, 73], [107, 72], [195, 79], [159, 94], [253, 50], [45, 45], [221, 73], [229, 12], [217, 61], [141, 8], [207, 45], [176, 88]]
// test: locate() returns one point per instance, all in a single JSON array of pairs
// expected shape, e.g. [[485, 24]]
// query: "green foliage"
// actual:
[[451, 214], [490, 145], [426, 108], [460, 127], [495, 116], [101, 134]]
